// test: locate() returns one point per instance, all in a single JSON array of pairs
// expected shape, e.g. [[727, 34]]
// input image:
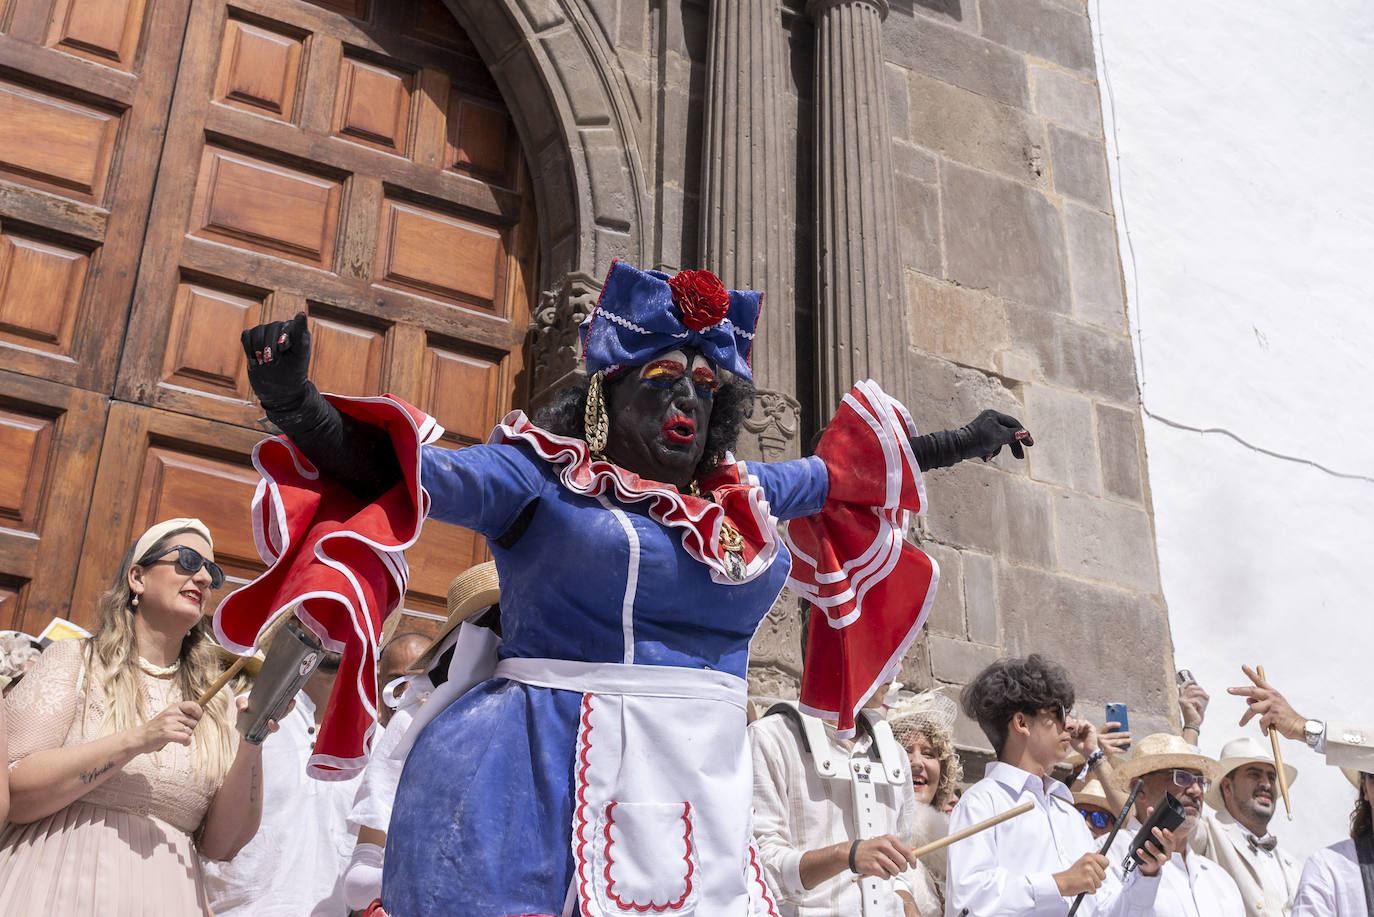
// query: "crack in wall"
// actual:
[[1134, 302]]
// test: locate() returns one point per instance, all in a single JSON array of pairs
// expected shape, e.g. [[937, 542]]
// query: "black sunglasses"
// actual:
[[189, 561], [1098, 820]]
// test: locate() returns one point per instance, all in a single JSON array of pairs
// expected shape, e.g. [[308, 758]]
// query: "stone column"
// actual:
[[861, 320], [747, 214]]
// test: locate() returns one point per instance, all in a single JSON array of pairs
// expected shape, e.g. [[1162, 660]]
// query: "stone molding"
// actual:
[[576, 128], [814, 8]]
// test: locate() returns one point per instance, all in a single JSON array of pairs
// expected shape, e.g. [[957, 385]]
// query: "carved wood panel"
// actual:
[[84, 95], [353, 161], [50, 436], [175, 171]]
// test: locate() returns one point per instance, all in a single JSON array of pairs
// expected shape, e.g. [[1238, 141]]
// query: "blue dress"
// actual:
[[603, 573]]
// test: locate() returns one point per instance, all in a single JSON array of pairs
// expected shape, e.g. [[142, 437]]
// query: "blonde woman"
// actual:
[[119, 781]]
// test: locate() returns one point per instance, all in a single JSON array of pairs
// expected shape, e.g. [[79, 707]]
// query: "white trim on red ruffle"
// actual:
[[273, 540]]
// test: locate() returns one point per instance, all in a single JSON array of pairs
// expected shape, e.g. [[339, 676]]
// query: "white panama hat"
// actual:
[[1236, 754]]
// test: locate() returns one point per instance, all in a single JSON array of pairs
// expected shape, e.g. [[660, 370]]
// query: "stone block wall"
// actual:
[[1014, 293]]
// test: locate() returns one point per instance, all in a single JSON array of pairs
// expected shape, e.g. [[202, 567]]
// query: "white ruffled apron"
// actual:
[[662, 807]]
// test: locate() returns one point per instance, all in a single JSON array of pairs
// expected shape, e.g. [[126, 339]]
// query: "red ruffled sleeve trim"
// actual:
[[869, 589], [339, 562]]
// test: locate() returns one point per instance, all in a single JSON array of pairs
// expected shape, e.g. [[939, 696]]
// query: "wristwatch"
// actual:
[[1312, 731]]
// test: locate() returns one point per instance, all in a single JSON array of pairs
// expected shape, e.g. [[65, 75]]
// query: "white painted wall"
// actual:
[[1240, 137]]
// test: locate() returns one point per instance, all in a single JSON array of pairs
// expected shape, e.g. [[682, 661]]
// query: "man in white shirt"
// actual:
[[293, 866], [833, 817], [1189, 885], [1331, 882], [1035, 863], [1235, 831]]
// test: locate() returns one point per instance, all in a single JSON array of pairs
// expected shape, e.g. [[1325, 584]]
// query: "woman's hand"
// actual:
[[241, 702], [278, 358], [174, 724]]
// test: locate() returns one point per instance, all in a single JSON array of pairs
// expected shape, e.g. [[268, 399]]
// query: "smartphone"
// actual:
[[1116, 713], [1185, 676]]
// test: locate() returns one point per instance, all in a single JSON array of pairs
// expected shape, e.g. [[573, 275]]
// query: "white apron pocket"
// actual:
[[644, 861]]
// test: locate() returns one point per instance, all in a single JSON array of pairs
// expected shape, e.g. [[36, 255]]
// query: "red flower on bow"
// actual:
[[702, 298]]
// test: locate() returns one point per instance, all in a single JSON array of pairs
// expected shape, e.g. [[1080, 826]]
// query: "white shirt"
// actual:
[[1185, 887], [1331, 885], [294, 865], [796, 810], [1008, 869]]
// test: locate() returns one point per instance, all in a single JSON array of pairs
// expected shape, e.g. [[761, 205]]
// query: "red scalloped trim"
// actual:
[[698, 520], [758, 880], [580, 814], [686, 857]]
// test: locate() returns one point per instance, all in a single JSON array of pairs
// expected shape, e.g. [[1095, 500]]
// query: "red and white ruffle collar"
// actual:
[[736, 496]]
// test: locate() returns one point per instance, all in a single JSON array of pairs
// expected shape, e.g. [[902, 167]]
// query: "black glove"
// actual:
[[356, 455], [983, 438], [278, 360]]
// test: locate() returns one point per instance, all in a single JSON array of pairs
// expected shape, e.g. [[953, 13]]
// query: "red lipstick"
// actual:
[[680, 429]]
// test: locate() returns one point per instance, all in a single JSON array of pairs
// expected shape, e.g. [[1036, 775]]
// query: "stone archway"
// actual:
[[576, 129]]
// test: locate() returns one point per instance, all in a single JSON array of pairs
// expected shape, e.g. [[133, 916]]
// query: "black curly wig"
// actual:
[[729, 409], [1011, 686]]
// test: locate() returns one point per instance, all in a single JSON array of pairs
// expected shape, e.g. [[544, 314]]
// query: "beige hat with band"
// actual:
[[1162, 751], [1236, 754], [471, 591], [1092, 794], [163, 529]]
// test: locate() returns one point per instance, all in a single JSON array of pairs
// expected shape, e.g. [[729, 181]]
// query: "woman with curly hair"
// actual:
[[923, 725], [119, 780], [602, 768], [1331, 880]]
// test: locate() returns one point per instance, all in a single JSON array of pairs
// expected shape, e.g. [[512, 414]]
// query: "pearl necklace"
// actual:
[[158, 671]]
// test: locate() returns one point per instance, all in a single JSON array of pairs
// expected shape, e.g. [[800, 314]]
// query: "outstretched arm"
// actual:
[[352, 453], [982, 438]]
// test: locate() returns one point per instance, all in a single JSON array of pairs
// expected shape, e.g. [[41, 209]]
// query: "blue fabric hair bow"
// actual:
[[637, 318]]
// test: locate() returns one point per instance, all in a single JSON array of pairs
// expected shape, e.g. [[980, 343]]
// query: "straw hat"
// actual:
[[1352, 775], [250, 668], [1236, 754], [1092, 794], [1159, 752], [471, 591]]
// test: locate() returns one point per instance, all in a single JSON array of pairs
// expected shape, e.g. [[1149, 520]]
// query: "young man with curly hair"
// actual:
[[1035, 863]]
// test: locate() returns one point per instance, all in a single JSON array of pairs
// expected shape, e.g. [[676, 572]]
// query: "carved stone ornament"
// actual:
[[774, 424], [554, 347]]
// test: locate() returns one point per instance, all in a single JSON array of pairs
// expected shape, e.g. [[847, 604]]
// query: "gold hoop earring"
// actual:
[[596, 424]]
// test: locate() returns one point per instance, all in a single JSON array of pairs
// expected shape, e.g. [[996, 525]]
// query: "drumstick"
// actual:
[[971, 830], [240, 662], [1278, 758], [221, 681]]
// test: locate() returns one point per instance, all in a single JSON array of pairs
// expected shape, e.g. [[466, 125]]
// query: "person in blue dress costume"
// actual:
[[603, 769]]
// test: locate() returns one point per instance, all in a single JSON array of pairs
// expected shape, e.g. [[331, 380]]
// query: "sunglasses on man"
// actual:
[[1185, 779], [189, 561]]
